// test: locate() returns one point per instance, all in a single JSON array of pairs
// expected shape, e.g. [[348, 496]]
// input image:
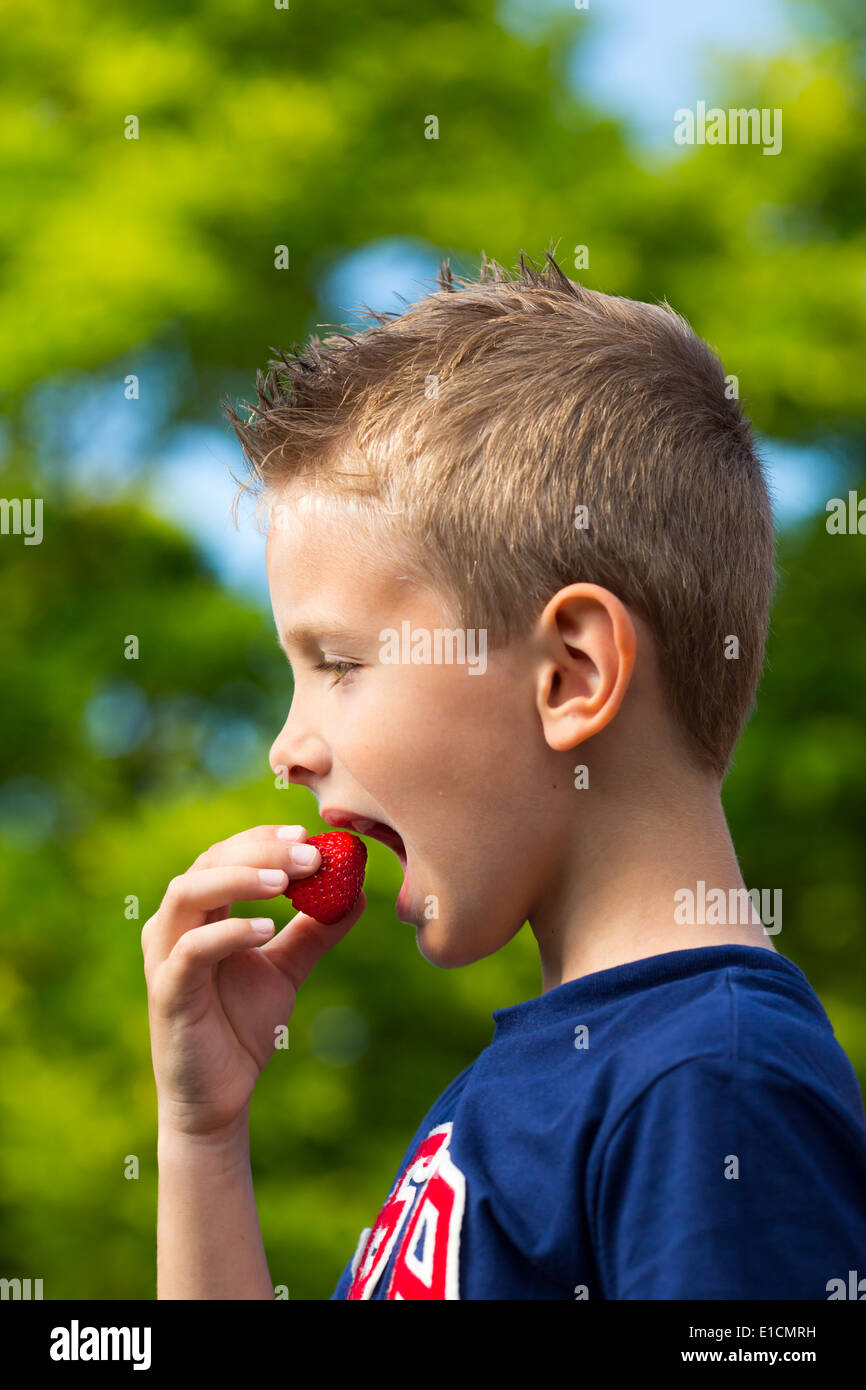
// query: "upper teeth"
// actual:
[[363, 825]]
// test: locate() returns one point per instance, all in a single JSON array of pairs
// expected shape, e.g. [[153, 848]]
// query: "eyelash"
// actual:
[[344, 667]]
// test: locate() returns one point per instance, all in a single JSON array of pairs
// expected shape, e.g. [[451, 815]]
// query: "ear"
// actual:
[[588, 643]]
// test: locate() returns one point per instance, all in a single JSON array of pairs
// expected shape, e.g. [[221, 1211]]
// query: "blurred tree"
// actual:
[[120, 771], [259, 128]]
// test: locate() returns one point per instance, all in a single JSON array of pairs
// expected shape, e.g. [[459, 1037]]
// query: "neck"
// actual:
[[618, 894]]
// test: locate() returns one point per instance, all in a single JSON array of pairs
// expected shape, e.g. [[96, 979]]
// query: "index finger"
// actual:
[[235, 848]]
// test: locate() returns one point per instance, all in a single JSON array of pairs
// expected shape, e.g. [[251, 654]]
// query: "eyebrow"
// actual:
[[306, 634]]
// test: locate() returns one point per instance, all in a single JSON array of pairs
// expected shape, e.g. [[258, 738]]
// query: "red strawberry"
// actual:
[[331, 892]]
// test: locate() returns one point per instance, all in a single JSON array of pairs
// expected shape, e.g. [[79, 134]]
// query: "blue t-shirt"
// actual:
[[681, 1127]]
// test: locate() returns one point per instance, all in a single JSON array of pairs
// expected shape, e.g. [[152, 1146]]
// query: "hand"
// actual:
[[216, 993]]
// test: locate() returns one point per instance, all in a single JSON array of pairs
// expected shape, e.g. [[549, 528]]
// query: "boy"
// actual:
[[559, 479]]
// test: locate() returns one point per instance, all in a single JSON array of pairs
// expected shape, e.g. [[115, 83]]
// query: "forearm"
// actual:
[[209, 1244]]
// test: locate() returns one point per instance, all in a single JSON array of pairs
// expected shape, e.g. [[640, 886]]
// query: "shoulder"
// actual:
[[699, 1036], [728, 1176], [738, 1061]]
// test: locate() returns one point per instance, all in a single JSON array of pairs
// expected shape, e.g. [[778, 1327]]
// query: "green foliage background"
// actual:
[[260, 127]]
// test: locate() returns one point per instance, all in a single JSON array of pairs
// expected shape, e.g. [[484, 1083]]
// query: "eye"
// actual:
[[341, 668]]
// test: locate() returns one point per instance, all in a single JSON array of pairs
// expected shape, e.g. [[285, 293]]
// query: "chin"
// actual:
[[448, 945], [446, 956]]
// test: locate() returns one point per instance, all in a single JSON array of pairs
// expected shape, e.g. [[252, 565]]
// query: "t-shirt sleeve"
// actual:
[[727, 1179]]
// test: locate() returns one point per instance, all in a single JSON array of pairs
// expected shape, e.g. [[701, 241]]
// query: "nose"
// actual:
[[297, 753]]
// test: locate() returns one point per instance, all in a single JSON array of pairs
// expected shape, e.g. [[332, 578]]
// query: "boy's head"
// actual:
[[565, 479]]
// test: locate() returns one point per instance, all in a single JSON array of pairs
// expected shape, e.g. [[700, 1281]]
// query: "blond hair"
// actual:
[[481, 419]]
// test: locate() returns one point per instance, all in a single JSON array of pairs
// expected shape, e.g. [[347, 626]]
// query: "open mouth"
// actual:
[[376, 829]]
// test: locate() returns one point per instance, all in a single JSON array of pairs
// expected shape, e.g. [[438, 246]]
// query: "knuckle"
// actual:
[[175, 888], [208, 857], [184, 949]]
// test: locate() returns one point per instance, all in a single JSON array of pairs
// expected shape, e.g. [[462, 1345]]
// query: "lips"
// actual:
[[376, 829]]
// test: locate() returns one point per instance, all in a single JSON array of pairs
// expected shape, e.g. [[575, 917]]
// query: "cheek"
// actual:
[[474, 734], [372, 729]]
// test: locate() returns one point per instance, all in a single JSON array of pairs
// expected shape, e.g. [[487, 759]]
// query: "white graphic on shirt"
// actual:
[[421, 1224]]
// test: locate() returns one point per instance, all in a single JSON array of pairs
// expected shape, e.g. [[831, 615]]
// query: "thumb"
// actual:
[[303, 941]]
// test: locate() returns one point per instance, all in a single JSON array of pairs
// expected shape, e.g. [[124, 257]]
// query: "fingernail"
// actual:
[[273, 878], [305, 854], [263, 925], [290, 832]]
